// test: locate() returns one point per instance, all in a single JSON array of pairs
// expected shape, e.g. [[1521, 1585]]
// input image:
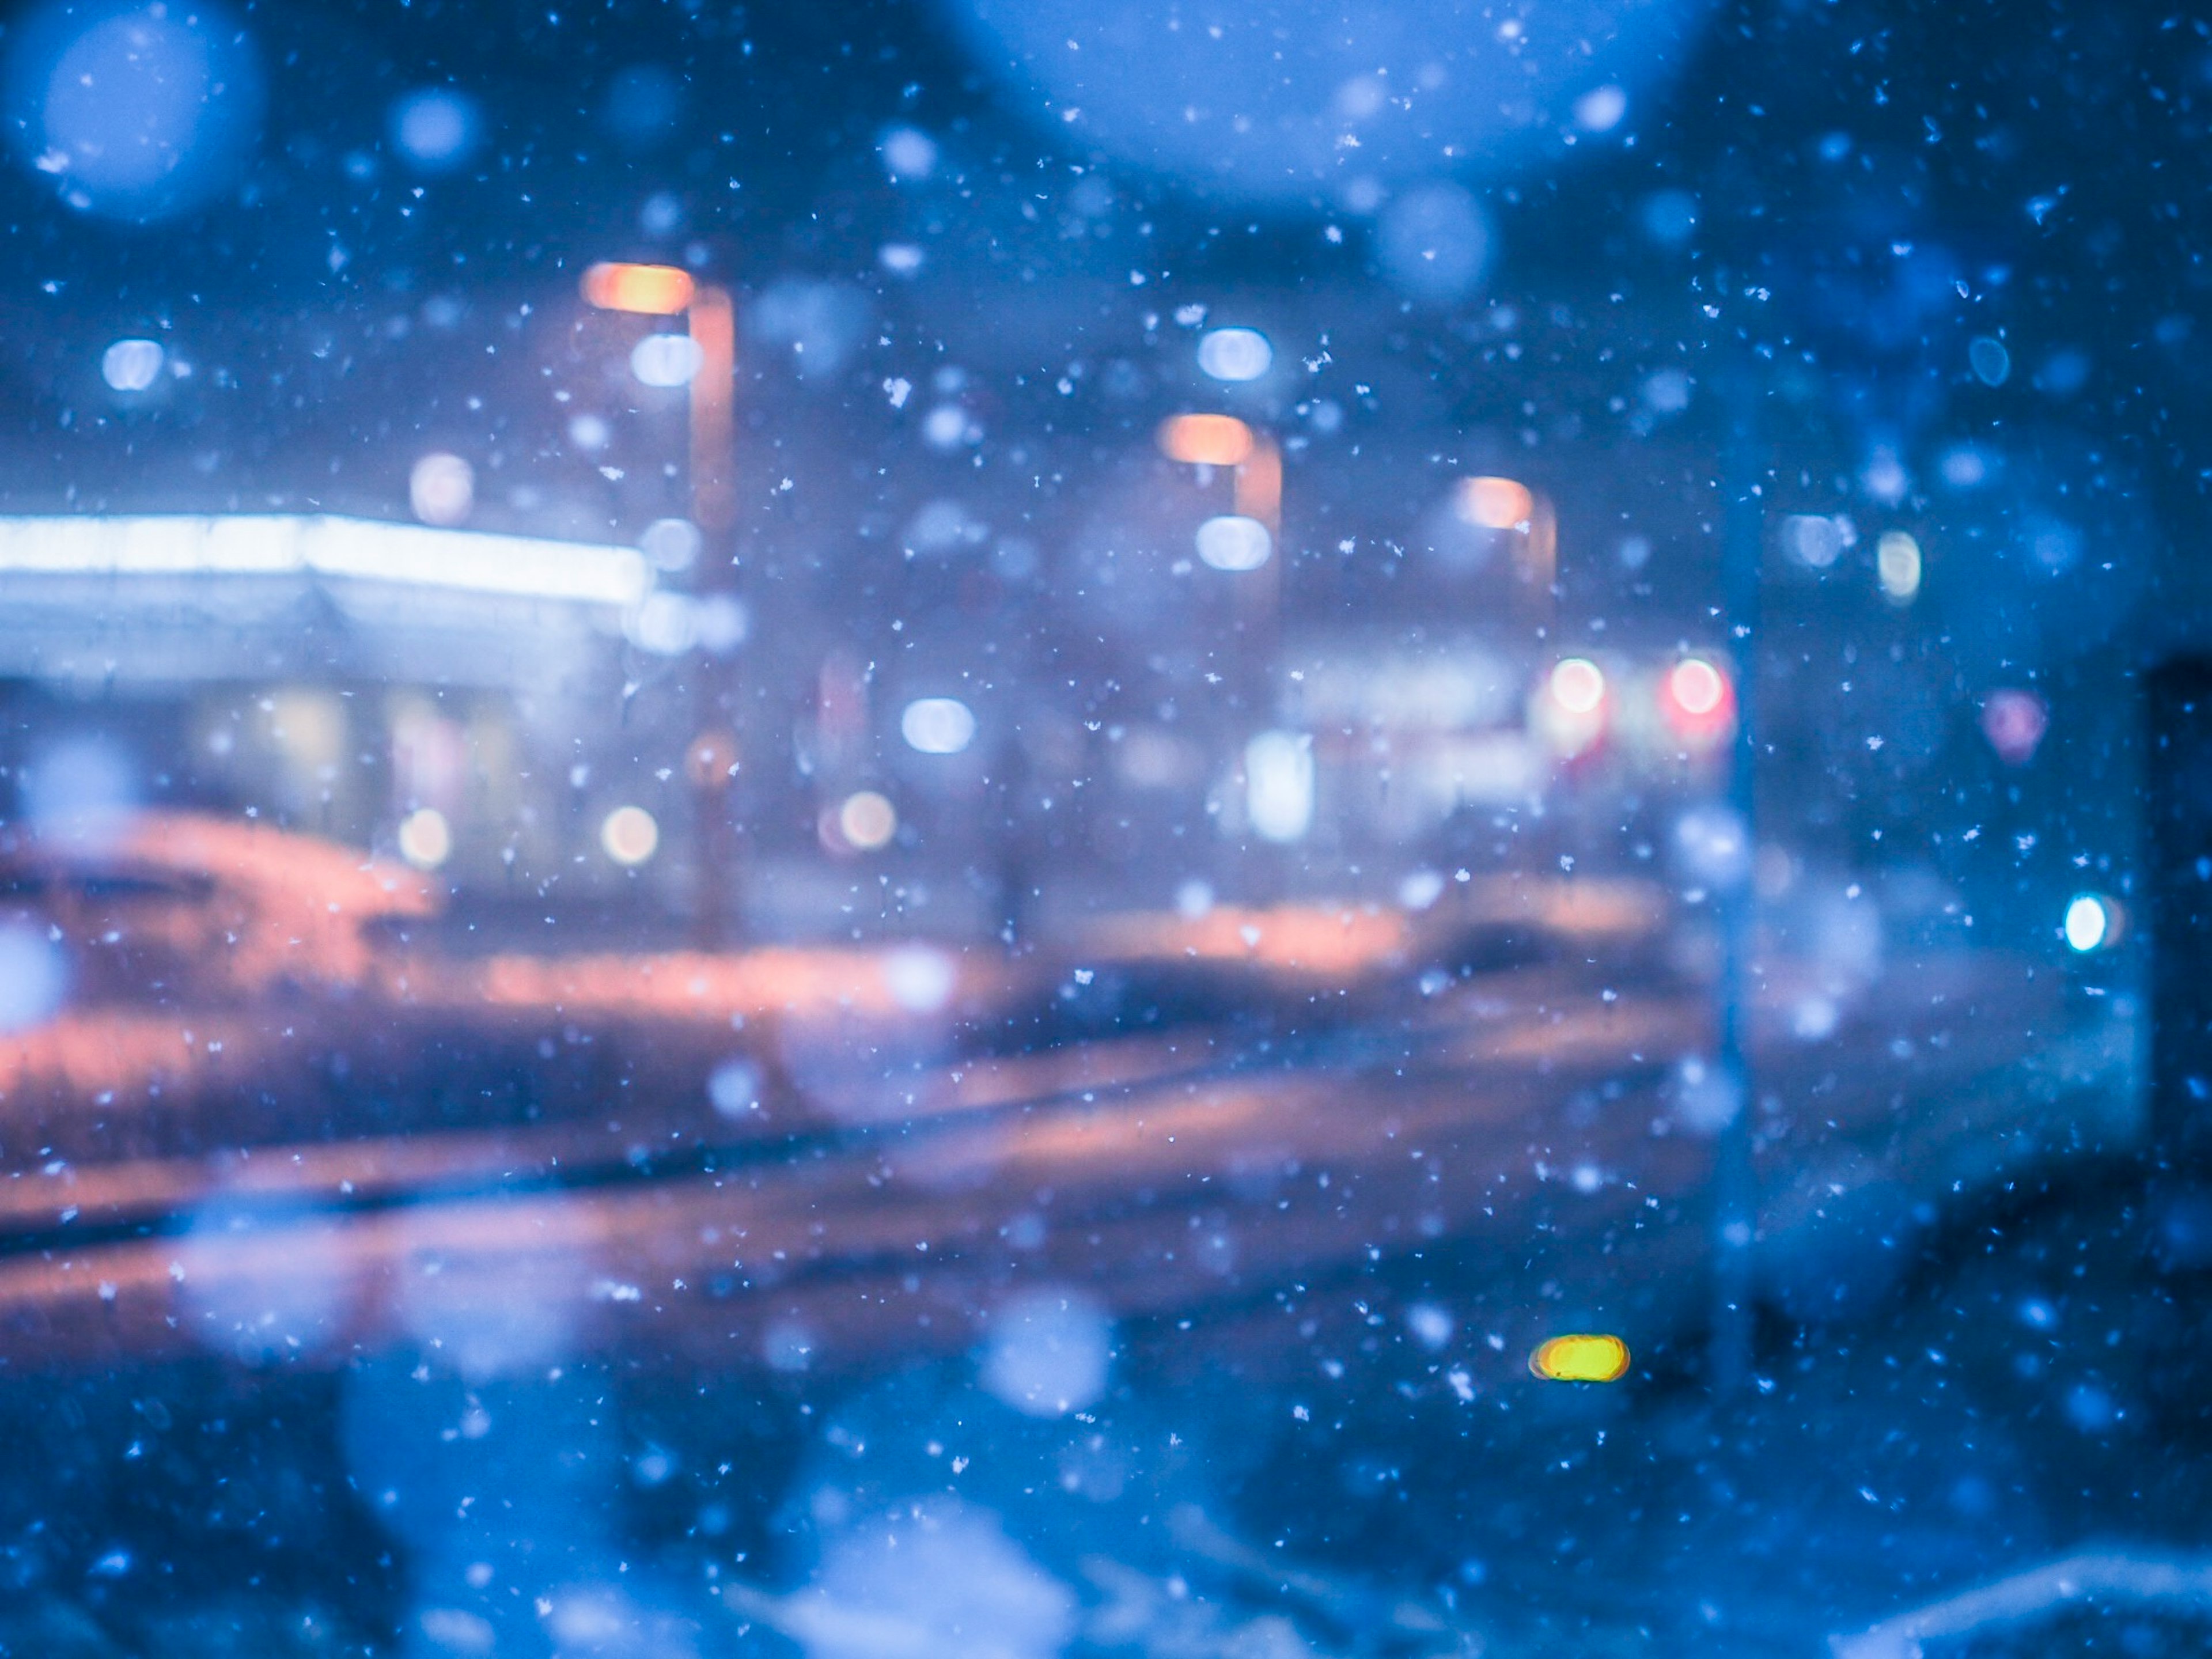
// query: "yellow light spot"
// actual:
[[425, 841], [1581, 1359], [629, 835], [651, 290], [1496, 503], [867, 820], [1205, 440], [1896, 562]]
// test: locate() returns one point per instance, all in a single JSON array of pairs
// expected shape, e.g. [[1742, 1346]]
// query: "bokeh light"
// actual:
[[33, 977], [938, 725], [1577, 686], [665, 624], [1697, 701], [134, 112], [2091, 923], [1696, 686], [436, 128], [920, 977], [443, 490], [1601, 109], [1817, 542], [671, 543], [1581, 1357], [426, 839], [84, 791], [1897, 564], [931, 1577], [1570, 712], [666, 360], [1278, 785], [1235, 355], [630, 835], [909, 154], [719, 623], [2014, 721], [1048, 1353], [253, 1303], [866, 821], [1710, 846], [1283, 102], [131, 365], [1434, 243], [734, 1087], [1234, 542], [710, 759]]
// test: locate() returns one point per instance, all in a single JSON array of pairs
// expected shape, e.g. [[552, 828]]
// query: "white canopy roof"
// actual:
[[364, 549]]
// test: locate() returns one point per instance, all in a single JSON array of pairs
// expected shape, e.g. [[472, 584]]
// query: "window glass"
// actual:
[[1016, 828]]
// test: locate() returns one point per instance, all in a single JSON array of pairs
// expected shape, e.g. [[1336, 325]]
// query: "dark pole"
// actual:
[[1743, 530], [714, 759], [2179, 901]]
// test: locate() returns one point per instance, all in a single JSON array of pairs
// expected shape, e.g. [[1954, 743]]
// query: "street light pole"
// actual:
[[1735, 1190], [711, 759], [712, 322]]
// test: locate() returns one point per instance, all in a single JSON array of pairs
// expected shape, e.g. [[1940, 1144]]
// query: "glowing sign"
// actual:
[[1581, 1359]]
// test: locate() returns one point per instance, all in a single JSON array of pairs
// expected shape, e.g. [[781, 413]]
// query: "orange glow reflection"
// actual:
[[650, 291], [1205, 440], [1496, 503], [1260, 487], [713, 329], [1329, 941]]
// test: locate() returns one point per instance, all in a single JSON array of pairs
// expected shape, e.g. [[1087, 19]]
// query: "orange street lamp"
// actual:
[[669, 291], [649, 290]]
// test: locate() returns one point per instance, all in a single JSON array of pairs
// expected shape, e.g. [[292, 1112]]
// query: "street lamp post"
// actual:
[[711, 758], [1736, 1191]]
